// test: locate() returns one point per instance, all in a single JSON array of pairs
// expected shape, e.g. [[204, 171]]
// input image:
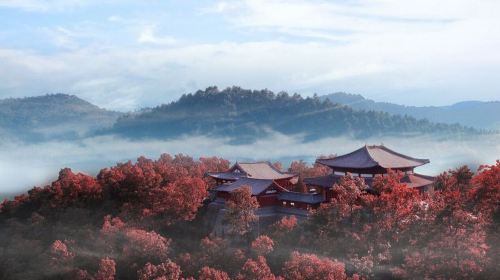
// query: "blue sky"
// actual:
[[123, 54]]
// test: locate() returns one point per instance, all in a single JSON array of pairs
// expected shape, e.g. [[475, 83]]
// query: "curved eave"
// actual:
[[417, 180], [372, 159], [375, 168], [221, 176], [286, 176]]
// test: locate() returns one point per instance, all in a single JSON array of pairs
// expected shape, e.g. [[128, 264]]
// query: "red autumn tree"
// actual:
[[305, 171], [396, 216], [145, 246], [239, 257], [189, 263], [311, 267], [172, 168], [240, 213], [71, 188], [455, 182], [112, 225], [107, 269], [395, 207], [169, 189], [256, 270], [283, 227], [207, 273], [462, 175], [263, 245], [213, 251], [132, 184], [337, 225], [456, 247], [214, 164], [81, 274], [485, 196], [485, 193], [452, 238], [164, 271], [178, 200], [347, 196], [60, 255]]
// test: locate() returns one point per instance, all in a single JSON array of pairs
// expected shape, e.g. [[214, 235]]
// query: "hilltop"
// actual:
[[240, 114], [51, 116], [246, 115]]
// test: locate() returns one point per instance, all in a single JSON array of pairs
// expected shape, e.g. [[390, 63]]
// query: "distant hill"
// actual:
[[484, 115], [245, 115], [52, 116]]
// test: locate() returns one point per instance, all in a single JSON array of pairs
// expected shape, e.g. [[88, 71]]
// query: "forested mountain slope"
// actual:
[[51, 116], [246, 115], [485, 115]]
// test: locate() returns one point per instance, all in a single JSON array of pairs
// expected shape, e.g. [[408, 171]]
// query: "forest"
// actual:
[[247, 115], [478, 114], [240, 114], [51, 116], [149, 219]]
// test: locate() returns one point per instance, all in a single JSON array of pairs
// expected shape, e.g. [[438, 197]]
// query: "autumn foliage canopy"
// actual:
[[152, 219]]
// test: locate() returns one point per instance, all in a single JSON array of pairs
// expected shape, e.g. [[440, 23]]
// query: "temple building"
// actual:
[[272, 187], [255, 170], [367, 162], [266, 191], [269, 185]]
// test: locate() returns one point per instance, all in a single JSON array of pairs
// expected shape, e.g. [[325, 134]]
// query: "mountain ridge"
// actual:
[[239, 114], [246, 114], [52, 116], [473, 113]]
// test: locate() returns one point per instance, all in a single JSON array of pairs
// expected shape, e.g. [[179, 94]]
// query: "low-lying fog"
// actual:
[[25, 166]]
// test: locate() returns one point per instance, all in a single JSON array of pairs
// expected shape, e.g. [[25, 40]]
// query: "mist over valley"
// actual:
[[46, 133]]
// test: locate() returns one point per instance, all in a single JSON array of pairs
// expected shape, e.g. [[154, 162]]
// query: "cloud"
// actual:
[[43, 5], [219, 7], [148, 36], [410, 52], [362, 16], [63, 37], [395, 66], [115, 18]]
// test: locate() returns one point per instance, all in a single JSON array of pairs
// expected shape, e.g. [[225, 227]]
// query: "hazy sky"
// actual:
[[123, 54]]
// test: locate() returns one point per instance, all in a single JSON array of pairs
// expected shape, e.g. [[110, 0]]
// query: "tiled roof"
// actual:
[[254, 170], [256, 185], [229, 176], [373, 156], [326, 181], [263, 170], [411, 180], [301, 197], [417, 180]]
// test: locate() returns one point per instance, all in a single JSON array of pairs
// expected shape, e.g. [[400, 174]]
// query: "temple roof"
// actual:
[[413, 180], [256, 185], [301, 197], [417, 180], [229, 176], [326, 181], [254, 170], [372, 157]]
